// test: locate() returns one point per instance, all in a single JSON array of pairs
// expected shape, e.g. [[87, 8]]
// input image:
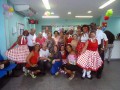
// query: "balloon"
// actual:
[[106, 17], [8, 14], [109, 12], [11, 9], [5, 6]]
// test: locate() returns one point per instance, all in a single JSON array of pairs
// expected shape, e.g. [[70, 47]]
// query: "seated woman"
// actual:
[[57, 61], [44, 61], [64, 54], [71, 66], [64, 58], [32, 65]]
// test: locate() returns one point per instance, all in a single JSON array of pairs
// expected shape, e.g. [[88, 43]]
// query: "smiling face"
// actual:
[[49, 34], [92, 35], [75, 37], [85, 29], [37, 47], [55, 48], [69, 48], [56, 33], [62, 48]]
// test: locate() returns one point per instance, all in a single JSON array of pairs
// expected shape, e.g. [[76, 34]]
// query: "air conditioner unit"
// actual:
[[24, 10]]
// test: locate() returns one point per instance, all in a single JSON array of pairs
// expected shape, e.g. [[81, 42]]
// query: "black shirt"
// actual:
[[110, 37]]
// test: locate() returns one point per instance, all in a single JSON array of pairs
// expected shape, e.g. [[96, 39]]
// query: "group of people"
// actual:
[[64, 52]]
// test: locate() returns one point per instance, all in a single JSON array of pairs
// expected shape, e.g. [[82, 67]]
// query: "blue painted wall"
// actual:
[[2, 30], [65, 22]]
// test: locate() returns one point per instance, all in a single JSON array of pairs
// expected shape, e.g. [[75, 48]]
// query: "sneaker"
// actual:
[[89, 77], [57, 73], [32, 75], [71, 77]]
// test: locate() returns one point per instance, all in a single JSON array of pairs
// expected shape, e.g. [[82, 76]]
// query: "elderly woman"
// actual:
[[50, 42], [61, 40], [56, 37], [40, 39]]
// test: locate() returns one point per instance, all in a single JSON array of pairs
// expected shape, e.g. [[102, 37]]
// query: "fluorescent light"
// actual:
[[69, 12], [106, 4], [83, 16], [50, 16], [46, 4], [52, 13], [89, 11]]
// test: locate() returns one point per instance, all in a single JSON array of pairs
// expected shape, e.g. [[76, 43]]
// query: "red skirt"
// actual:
[[18, 54], [90, 60], [79, 47]]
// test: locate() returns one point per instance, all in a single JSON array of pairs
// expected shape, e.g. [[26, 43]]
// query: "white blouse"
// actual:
[[84, 37]]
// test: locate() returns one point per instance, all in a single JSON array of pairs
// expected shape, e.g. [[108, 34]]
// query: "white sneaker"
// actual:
[[71, 77], [32, 75], [57, 73]]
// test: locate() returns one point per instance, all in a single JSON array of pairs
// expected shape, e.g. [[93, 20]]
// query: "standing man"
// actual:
[[31, 39], [101, 37], [111, 39]]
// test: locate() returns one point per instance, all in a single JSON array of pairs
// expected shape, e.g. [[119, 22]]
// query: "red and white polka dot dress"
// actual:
[[18, 54], [90, 59]]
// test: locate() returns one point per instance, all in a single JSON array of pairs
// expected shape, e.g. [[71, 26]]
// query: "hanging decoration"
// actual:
[[47, 13], [8, 10], [32, 21], [109, 13], [106, 17]]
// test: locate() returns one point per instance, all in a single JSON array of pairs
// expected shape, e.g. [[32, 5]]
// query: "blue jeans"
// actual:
[[55, 67]]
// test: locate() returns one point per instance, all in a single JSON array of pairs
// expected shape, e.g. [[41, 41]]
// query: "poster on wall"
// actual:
[[49, 27], [20, 28]]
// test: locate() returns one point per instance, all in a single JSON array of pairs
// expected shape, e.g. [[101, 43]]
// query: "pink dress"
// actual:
[[90, 59]]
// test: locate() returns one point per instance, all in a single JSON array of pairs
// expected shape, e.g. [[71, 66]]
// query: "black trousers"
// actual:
[[99, 72], [34, 68], [30, 48], [44, 65]]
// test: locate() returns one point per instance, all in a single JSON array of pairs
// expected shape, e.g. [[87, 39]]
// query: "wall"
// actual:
[[12, 22], [6, 27], [64, 22], [113, 24], [2, 29]]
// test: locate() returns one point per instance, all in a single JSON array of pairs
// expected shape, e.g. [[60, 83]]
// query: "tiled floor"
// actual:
[[109, 81]]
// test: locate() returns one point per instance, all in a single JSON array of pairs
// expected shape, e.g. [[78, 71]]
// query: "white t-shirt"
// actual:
[[100, 35], [44, 53], [31, 40]]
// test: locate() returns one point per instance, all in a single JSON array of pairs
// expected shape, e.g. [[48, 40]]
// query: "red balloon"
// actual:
[[106, 17]]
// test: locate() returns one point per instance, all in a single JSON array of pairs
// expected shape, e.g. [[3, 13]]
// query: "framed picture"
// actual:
[[20, 28]]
